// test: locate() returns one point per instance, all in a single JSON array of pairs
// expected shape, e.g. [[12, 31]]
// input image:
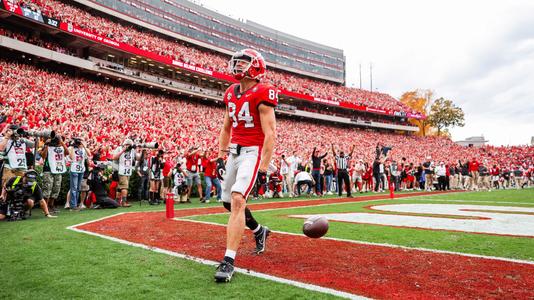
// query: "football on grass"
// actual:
[[315, 227]]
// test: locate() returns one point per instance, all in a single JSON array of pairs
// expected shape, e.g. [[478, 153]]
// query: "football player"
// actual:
[[248, 136]]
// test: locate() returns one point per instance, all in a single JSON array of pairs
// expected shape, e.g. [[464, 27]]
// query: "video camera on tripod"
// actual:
[[15, 204]]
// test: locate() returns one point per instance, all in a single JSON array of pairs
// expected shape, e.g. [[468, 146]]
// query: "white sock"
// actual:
[[230, 253], [257, 229]]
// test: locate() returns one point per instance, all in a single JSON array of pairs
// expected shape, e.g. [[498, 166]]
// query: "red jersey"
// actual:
[[473, 166], [167, 168], [209, 167], [191, 162], [243, 111]]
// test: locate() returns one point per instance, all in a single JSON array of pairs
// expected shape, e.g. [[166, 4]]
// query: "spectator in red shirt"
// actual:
[[473, 170], [210, 165], [191, 162], [167, 175]]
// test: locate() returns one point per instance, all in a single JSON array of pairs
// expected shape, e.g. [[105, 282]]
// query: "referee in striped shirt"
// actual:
[[342, 164]]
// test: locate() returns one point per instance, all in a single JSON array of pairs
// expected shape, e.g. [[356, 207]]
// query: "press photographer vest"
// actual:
[[77, 165], [56, 160], [126, 163], [16, 155], [16, 182], [178, 178]]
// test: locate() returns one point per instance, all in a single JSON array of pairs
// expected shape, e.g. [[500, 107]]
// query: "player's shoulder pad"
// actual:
[[267, 94], [229, 93]]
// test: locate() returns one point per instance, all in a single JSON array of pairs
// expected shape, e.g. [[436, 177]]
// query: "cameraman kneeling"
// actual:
[[22, 190], [97, 183]]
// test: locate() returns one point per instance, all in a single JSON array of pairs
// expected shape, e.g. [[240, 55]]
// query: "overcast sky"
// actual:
[[480, 54]]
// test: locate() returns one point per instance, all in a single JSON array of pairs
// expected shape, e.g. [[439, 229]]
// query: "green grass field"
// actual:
[[41, 259]]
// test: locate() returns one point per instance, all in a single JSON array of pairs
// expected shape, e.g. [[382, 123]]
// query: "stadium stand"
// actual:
[[104, 111], [187, 54], [104, 114]]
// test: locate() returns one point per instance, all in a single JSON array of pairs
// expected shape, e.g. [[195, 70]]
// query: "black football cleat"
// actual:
[[224, 272], [261, 239]]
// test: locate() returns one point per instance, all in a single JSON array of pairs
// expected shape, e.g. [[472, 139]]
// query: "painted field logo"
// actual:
[[502, 220]]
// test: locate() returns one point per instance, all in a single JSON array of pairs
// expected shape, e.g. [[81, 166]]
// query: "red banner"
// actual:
[[11, 6]]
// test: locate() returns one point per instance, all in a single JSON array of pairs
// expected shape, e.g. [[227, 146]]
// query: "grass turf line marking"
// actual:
[[482, 201], [307, 286], [512, 260]]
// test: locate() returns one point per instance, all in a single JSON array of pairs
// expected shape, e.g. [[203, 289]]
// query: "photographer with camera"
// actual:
[[53, 154], [19, 196], [142, 172], [124, 160], [97, 183], [180, 183], [13, 152], [156, 176], [78, 154]]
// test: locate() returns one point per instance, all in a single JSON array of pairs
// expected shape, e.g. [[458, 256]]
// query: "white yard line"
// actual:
[[482, 201]]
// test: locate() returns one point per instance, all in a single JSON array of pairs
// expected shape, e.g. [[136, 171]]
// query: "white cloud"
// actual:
[[478, 53]]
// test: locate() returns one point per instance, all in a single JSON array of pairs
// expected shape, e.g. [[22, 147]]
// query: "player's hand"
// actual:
[[221, 168], [262, 177]]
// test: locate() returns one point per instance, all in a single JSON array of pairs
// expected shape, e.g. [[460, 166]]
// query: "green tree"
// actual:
[[444, 114]]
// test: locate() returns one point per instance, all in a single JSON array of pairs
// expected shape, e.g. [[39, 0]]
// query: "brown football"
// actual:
[[315, 227]]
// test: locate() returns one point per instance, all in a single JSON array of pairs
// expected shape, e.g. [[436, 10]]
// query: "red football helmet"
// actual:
[[247, 63]]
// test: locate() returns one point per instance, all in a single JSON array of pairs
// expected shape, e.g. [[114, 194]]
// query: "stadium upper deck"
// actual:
[[206, 28]]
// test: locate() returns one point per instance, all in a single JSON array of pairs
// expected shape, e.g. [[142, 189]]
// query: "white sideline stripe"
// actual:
[[483, 201], [307, 286], [519, 261]]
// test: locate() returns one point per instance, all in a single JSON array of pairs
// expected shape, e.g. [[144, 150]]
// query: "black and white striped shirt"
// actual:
[[342, 163]]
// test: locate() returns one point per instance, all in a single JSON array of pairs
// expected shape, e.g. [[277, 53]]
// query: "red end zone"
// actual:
[[360, 269]]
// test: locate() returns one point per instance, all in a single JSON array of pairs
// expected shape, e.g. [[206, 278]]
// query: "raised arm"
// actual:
[[44, 151]]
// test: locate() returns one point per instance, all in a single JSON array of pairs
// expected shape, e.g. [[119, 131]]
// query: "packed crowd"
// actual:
[[320, 174], [103, 114], [180, 51], [104, 120], [45, 43]]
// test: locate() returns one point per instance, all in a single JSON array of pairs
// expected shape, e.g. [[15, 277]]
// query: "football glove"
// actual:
[[221, 169]]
